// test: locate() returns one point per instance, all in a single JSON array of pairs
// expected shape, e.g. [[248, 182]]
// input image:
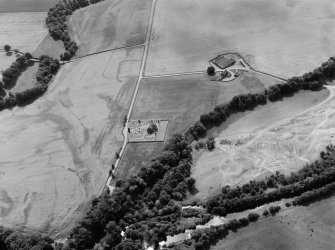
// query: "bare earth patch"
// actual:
[[280, 136]]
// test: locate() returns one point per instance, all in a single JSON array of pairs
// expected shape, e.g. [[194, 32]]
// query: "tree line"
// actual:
[[314, 80], [311, 177], [56, 22], [144, 207]]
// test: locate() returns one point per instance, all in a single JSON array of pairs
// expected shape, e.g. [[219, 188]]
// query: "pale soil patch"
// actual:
[[6, 61], [56, 153], [276, 36], [277, 136], [26, 5], [300, 228], [116, 23], [23, 31]]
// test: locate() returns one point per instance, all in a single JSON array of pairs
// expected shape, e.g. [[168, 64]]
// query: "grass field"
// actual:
[[49, 47], [118, 23], [6, 60], [26, 80], [271, 34], [47, 180], [26, 5], [181, 100], [300, 228], [277, 136], [23, 31]]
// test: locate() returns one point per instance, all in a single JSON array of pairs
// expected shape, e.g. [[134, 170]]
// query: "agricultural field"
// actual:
[[49, 47], [271, 34], [280, 136], [26, 80], [7, 6], [46, 181], [120, 23], [6, 60], [23, 31], [181, 100], [311, 227]]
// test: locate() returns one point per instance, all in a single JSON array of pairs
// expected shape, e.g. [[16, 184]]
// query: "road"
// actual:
[[140, 77]]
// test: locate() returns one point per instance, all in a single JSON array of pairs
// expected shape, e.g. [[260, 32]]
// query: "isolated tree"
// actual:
[[152, 128], [210, 70], [7, 48]]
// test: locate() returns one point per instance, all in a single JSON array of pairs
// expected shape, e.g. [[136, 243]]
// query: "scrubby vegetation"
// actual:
[[57, 23]]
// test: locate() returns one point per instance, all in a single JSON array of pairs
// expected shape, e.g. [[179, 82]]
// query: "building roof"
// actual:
[[223, 62]]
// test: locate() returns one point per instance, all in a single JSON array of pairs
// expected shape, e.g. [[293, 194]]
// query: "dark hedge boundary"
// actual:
[[57, 23]]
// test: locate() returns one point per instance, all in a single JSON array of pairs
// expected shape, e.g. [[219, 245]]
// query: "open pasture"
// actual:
[[22, 31], [282, 136], [56, 153], [26, 5], [6, 60], [282, 37], [181, 100], [299, 228], [116, 23]]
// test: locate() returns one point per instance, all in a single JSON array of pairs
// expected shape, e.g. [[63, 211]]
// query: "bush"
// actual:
[[252, 217], [7, 48], [210, 70]]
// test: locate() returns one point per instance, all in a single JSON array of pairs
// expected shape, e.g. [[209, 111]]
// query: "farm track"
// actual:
[[140, 77]]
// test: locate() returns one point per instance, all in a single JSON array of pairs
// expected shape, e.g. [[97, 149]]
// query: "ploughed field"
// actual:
[[282, 136], [110, 24], [56, 153], [282, 37]]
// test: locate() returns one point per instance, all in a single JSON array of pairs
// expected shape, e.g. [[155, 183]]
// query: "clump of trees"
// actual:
[[10, 240], [56, 22], [16, 68], [152, 128], [145, 204], [210, 70], [7, 48], [47, 68]]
